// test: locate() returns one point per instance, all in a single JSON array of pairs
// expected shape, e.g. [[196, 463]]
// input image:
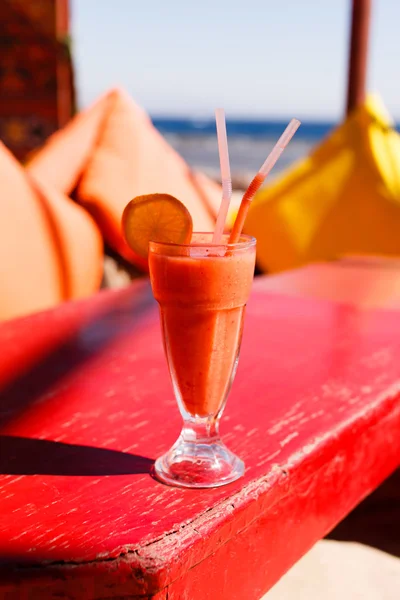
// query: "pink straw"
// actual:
[[260, 178], [225, 175]]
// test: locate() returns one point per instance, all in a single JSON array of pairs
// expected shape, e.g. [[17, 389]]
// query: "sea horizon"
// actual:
[[240, 126], [249, 140]]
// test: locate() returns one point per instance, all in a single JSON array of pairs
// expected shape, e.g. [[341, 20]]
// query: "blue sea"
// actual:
[[249, 141]]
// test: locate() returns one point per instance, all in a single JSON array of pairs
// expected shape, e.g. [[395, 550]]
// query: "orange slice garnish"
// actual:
[[155, 218]]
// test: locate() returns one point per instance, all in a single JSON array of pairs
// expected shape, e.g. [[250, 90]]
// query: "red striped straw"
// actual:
[[260, 178]]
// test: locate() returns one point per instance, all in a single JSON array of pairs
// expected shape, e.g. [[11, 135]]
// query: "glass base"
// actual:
[[198, 465]]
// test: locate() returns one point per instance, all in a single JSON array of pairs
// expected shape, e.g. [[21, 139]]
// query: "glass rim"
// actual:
[[248, 242]]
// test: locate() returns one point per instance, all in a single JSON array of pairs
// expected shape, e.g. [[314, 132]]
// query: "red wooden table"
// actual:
[[86, 406]]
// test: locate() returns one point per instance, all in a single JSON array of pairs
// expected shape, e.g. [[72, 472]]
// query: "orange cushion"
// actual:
[[78, 239], [50, 250], [62, 159], [129, 158]]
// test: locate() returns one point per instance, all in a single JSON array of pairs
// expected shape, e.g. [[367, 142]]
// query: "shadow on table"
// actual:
[[376, 520], [27, 456]]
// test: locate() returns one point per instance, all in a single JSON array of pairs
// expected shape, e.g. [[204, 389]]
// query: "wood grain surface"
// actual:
[[86, 406]]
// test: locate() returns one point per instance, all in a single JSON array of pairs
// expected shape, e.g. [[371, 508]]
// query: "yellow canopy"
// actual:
[[342, 199]]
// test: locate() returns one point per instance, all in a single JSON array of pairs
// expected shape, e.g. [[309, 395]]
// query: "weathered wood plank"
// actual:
[[86, 405]]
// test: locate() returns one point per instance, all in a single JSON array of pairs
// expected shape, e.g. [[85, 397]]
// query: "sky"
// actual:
[[255, 58]]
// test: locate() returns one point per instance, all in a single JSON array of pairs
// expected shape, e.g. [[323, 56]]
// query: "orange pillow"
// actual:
[[62, 159], [128, 158], [50, 249]]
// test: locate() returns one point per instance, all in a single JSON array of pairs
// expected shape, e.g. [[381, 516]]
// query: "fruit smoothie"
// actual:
[[202, 292]]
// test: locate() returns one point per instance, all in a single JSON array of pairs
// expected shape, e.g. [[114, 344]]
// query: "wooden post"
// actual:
[[357, 75], [65, 79]]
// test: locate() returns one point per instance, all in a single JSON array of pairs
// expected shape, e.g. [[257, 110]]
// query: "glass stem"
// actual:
[[200, 430]]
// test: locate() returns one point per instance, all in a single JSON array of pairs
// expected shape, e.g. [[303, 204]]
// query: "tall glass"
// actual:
[[202, 291]]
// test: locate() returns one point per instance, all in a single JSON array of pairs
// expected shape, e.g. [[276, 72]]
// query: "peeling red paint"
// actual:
[[314, 412]]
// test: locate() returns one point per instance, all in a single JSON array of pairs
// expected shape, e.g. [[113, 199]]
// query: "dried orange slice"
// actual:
[[155, 218]]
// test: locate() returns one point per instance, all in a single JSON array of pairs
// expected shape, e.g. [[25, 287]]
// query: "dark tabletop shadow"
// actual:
[[28, 456], [376, 520]]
